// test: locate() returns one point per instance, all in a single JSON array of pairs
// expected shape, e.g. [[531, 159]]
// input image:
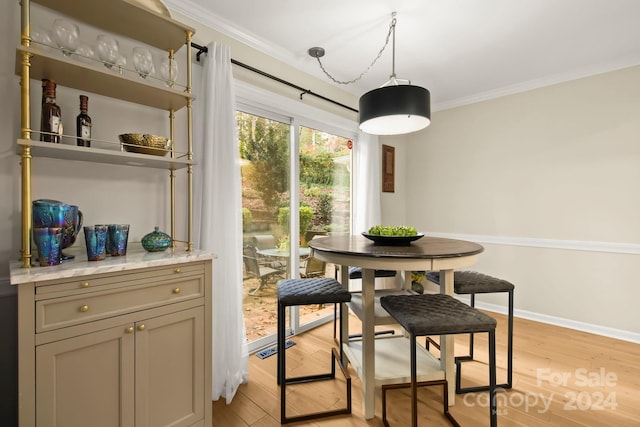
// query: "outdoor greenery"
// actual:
[[324, 177], [306, 214], [247, 219], [266, 144]]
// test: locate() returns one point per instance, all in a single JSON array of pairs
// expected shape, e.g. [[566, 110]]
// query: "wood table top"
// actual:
[[424, 248]]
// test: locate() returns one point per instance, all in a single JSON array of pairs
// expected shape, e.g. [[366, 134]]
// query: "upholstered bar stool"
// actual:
[[296, 292], [438, 314], [472, 283]]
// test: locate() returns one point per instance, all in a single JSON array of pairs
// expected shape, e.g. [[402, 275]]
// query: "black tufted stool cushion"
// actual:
[[439, 314], [472, 283], [436, 314], [319, 290]]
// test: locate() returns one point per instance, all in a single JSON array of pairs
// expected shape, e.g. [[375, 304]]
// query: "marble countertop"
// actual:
[[136, 258]]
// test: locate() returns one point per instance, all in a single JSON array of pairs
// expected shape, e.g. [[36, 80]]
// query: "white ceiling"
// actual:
[[461, 50]]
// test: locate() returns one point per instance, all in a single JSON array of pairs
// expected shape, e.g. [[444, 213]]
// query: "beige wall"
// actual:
[[560, 163]]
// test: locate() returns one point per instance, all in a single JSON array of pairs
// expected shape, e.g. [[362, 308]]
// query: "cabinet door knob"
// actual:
[[84, 308], [176, 290], [178, 270], [85, 284], [129, 330], [142, 327]]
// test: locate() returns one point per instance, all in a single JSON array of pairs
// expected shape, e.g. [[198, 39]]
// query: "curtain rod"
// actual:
[[204, 49]]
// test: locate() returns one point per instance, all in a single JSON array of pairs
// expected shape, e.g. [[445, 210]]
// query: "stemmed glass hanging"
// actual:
[[142, 61], [168, 71], [66, 35], [108, 50]]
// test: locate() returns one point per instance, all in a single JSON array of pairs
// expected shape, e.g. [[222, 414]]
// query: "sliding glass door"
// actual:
[[296, 184]]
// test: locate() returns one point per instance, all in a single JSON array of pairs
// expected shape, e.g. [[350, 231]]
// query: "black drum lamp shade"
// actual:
[[395, 110]]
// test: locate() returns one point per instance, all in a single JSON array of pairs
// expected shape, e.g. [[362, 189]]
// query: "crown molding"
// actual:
[[205, 17], [540, 83]]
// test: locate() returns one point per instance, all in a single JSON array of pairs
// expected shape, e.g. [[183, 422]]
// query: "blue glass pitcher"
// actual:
[[54, 214]]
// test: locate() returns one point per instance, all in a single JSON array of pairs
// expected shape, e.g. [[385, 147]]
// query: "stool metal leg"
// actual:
[[283, 380], [493, 410], [459, 359], [414, 384], [509, 383]]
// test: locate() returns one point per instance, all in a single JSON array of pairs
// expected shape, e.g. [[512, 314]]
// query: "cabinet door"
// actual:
[[86, 380], [170, 369]]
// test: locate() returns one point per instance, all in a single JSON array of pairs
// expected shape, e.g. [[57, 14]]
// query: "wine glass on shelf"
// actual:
[[66, 35], [142, 61], [85, 53], [41, 38], [108, 50], [168, 71]]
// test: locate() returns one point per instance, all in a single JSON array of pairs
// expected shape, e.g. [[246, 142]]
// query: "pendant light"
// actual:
[[397, 107]]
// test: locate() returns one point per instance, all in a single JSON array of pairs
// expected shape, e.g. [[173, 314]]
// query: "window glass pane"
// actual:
[[264, 154], [325, 199]]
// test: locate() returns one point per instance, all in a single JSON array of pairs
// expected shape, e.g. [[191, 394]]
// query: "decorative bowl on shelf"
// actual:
[[392, 240], [145, 143]]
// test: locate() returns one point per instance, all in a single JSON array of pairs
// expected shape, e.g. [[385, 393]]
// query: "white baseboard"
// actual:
[[619, 334]]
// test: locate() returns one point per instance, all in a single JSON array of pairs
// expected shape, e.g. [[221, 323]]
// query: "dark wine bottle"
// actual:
[[83, 123], [51, 120]]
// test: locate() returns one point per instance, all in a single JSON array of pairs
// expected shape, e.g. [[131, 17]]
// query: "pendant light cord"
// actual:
[[392, 30]]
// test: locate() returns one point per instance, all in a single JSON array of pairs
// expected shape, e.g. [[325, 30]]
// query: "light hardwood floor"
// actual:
[[561, 377]]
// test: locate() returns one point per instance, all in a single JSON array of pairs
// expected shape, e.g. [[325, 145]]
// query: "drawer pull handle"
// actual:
[[176, 291], [178, 270], [129, 330], [84, 308], [142, 327], [85, 284]]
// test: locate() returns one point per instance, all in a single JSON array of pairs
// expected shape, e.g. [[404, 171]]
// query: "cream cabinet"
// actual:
[[128, 345]]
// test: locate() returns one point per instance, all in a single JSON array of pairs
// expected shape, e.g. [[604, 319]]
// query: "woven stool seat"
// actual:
[[436, 314], [472, 282], [321, 290]]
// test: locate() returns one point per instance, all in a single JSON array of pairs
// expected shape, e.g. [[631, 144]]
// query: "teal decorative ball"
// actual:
[[156, 241]]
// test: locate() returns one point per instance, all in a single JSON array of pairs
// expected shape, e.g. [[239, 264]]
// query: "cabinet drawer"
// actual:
[[98, 282], [67, 311]]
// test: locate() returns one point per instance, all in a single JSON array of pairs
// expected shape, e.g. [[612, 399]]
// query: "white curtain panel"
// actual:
[[218, 218], [367, 182]]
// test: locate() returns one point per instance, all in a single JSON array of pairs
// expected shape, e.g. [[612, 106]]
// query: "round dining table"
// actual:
[[379, 361]]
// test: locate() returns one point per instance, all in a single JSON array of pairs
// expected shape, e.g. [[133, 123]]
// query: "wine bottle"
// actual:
[[83, 123], [51, 120]]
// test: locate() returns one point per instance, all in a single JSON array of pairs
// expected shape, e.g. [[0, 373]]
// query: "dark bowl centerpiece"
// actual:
[[392, 235]]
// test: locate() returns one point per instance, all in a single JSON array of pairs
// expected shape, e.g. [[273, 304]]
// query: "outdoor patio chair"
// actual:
[[255, 270], [312, 267]]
